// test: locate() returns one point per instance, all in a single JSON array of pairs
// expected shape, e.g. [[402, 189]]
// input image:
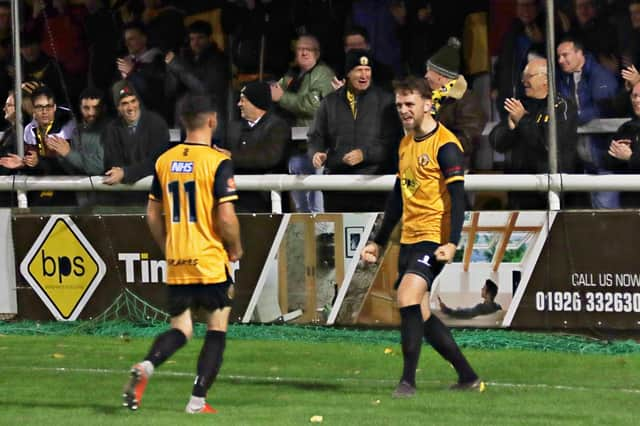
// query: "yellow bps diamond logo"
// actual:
[[63, 268]]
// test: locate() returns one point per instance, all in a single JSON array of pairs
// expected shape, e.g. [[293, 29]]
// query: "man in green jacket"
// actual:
[[298, 94]]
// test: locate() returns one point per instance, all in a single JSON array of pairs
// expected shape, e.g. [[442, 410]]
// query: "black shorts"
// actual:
[[206, 296], [419, 259]]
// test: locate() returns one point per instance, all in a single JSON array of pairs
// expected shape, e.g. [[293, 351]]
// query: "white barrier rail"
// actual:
[[473, 183]]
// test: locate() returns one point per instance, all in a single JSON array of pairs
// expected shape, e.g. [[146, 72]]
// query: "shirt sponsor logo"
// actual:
[[182, 167]]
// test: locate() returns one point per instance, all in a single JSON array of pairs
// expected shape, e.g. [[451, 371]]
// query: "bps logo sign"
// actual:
[[63, 268]]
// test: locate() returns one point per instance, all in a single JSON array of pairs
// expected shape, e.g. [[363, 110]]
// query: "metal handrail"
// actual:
[[473, 183]]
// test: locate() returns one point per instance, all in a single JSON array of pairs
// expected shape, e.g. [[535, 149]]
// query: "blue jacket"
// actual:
[[596, 85]]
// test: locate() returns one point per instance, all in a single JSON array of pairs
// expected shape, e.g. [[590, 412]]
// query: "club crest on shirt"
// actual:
[[231, 184], [423, 160]]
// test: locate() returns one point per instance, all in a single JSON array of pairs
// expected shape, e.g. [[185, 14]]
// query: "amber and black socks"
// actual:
[[438, 336], [411, 334], [209, 362], [165, 345]]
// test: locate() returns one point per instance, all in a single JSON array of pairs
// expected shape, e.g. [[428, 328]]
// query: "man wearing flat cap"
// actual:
[[258, 143], [355, 131], [133, 140]]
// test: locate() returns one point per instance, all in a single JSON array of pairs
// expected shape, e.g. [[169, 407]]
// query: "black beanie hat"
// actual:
[[356, 58], [258, 93], [446, 61], [122, 89]]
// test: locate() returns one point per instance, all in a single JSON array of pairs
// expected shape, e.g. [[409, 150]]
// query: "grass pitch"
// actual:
[[78, 380]]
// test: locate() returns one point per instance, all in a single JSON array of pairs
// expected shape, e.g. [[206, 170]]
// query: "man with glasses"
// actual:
[[523, 134], [50, 123], [298, 94]]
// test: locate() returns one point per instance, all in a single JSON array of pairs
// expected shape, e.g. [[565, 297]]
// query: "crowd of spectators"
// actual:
[[102, 78]]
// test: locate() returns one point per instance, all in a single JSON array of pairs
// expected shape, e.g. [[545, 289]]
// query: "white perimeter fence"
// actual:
[[552, 183]]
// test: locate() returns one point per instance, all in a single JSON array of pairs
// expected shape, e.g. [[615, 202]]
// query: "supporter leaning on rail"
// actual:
[[258, 143], [51, 125], [132, 142]]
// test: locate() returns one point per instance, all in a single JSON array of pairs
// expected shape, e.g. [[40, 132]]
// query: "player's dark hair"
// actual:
[[492, 288], [193, 108], [412, 84]]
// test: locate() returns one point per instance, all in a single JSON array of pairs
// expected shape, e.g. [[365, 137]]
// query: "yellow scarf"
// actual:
[[439, 95], [353, 103]]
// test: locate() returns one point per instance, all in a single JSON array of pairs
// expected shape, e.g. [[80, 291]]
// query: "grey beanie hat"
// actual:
[[446, 61]]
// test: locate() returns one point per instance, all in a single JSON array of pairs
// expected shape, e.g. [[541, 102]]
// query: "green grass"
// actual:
[[77, 380]]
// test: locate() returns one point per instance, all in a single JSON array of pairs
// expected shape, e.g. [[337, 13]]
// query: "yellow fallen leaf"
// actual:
[[58, 356], [316, 419], [388, 351]]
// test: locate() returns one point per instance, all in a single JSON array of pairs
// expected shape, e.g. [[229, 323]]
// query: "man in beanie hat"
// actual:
[[355, 131], [446, 61], [357, 37], [258, 143], [258, 93], [122, 89], [133, 141], [455, 105]]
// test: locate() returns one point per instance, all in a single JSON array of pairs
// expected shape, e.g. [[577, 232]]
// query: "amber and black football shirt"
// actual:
[[423, 182], [191, 180]]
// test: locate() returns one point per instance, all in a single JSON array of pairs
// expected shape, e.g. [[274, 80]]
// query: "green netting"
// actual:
[[128, 306], [476, 339], [131, 316]]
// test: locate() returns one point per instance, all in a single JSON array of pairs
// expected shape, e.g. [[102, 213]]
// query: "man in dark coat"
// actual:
[[523, 134], [258, 143], [356, 130], [133, 141]]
